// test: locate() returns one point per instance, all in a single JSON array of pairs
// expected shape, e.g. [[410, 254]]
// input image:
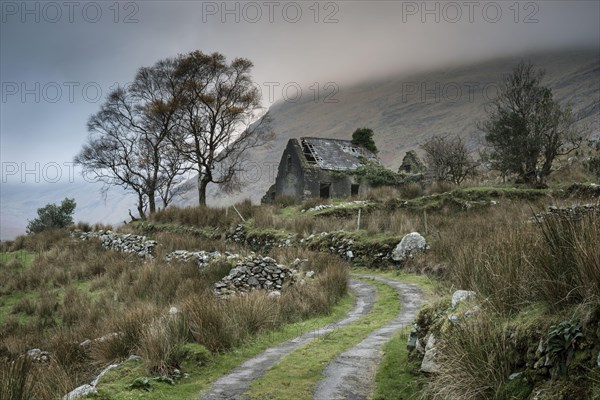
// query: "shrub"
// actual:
[[53, 217], [377, 175], [448, 159], [411, 190], [364, 137]]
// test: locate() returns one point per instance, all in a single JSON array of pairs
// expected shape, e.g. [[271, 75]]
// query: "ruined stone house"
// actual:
[[317, 167]]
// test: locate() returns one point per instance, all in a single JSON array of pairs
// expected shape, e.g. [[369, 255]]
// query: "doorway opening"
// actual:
[[325, 190]]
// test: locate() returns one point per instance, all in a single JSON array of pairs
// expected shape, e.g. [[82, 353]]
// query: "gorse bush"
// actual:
[[53, 217]]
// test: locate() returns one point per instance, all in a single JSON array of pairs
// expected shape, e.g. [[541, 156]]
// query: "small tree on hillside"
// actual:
[[364, 137], [526, 128], [53, 217], [448, 159], [129, 138], [219, 118]]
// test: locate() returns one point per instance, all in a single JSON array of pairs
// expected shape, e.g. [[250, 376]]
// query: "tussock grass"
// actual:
[[555, 261], [122, 335], [161, 344], [16, 382], [474, 360]]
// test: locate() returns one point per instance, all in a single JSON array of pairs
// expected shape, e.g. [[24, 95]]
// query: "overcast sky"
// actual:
[[60, 59]]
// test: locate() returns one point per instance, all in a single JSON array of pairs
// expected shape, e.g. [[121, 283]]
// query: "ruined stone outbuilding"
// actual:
[[412, 164], [312, 167]]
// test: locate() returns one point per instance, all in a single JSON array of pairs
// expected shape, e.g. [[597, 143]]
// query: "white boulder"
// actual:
[[429, 363], [461, 295], [411, 244]]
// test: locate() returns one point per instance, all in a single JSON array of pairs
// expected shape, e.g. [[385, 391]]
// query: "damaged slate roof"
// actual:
[[334, 154]]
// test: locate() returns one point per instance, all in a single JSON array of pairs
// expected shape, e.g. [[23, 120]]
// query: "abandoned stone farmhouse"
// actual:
[[318, 167]]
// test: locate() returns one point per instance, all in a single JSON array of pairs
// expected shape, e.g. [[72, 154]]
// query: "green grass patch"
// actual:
[[396, 378], [429, 286], [149, 228], [23, 256], [296, 376], [463, 199], [7, 303], [114, 384]]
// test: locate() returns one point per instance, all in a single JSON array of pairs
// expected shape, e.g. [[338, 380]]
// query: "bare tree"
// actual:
[[219, 108], [448, 159], [129, 142], [526, 128]]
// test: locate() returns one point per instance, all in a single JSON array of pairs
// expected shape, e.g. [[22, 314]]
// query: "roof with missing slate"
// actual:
[[334, 154]]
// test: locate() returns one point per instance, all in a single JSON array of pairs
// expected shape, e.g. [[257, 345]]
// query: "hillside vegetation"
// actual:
[[536, 278]]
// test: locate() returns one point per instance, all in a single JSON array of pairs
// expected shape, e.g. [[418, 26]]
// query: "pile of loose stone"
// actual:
[[202, 258], [37, 355], [584, 190], [265, 241], [573, 213], [255, 272], [341, 246], [342, 205], [127, 243], [410, 245]]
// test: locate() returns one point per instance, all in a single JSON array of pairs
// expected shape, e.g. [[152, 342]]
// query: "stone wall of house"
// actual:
[[340, 183], [290, 174], [299, 179]]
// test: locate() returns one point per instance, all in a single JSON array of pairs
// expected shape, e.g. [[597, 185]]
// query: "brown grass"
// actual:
[[221, 324], [556, 262], [160, 344], [474, 360]]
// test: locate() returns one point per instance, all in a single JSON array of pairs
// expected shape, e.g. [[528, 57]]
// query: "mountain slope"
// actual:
[[404, 111]]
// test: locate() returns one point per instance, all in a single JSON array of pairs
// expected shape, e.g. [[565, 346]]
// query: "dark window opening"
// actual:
[[354, 190], [324, 190], [289, 164]]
